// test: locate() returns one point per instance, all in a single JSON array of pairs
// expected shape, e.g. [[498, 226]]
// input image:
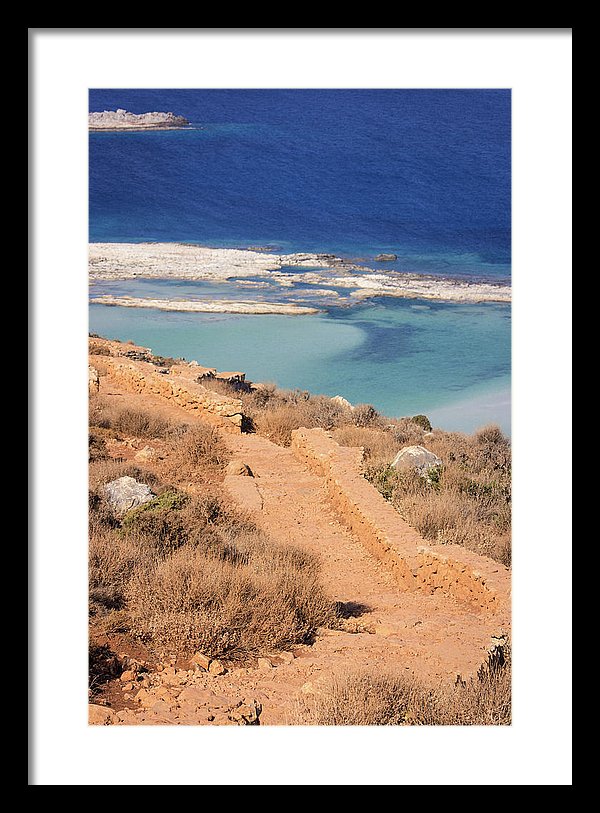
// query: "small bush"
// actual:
[[103, 665], [385, 480], [104, 413], [228, 607], [159, 521], [194, 446], [404, 432], [278, 423], [97, 447], [365, 415], [112, 561], [422, 421], [101, 515], [99, 349]]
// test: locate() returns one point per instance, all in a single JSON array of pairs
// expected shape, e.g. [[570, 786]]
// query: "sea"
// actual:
[[422, 174]]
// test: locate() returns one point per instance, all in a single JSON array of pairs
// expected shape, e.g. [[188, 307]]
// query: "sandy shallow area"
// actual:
[[118, 261], [196, 306]]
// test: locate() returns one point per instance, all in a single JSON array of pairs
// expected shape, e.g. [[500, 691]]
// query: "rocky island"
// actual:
[[122, 120]]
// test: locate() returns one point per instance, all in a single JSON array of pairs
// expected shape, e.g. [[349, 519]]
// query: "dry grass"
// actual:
[[191, 447], [250, 599], [467, 502], [104, 413], [97, 446], [193, 572], [104, 470], [275, 413], [365, 699]]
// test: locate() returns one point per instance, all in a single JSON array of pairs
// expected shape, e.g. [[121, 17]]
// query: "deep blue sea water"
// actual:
[[422, 174]]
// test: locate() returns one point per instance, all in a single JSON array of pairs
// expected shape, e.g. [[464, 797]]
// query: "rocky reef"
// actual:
[[324, 273]]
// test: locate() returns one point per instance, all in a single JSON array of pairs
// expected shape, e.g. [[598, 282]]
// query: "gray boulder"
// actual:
[[386, 258], [416, 457], [126, 493]]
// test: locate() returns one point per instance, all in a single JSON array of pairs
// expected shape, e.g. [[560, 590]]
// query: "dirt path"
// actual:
[[431, 636]]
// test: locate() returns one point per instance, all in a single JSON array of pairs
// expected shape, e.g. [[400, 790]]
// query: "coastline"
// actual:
[[491, 404], [185, 261], [323, 355]]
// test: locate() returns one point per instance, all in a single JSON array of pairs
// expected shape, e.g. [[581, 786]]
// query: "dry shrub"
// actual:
[[195, 446], [97, 349], [103, 665], [376, 443], [365, 699], [467, 502], [281, 414], [105, 470], [105, 413], [405, 432], [112, 561], [173, 519], [96, 446], [364, 415], [230, 606], [278, 423], [195, 572]]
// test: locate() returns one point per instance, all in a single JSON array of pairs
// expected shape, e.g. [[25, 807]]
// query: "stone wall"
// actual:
[[479, 582], [177, 383]]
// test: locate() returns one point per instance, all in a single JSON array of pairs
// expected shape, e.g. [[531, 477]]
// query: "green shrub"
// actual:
[[422, 421], [384, 479]]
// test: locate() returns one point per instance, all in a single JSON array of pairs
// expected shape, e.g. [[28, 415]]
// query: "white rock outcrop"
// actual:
[[416, 457], [339, 399]]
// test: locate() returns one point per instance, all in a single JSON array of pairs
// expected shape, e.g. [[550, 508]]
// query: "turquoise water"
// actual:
[[403, 356]]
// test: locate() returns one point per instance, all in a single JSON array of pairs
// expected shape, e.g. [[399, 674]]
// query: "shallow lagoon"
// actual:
[[449, 361]]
